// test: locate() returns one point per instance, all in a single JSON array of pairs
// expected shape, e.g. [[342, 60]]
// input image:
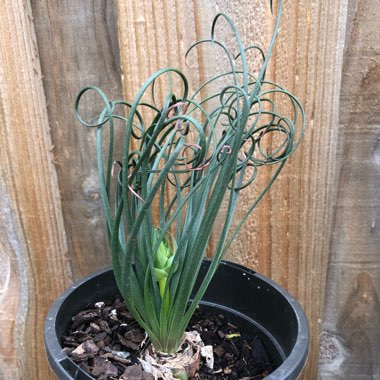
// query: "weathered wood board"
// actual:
[[34, 262], [77, 42], [352, 310], [280, 239], [351, 343]]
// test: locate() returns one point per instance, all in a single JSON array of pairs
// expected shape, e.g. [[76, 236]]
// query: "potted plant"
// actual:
[[203, 153]]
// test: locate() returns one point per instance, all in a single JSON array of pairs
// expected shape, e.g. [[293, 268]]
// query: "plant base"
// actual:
[[183, 365]]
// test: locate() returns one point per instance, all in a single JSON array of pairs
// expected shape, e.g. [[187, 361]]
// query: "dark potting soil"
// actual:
[[105, 341]]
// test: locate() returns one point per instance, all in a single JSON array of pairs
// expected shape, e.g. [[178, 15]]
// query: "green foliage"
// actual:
[[163, 259], [202, 152]]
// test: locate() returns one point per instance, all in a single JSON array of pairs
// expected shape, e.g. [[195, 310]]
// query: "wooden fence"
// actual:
[[351, 318], [315, 233]]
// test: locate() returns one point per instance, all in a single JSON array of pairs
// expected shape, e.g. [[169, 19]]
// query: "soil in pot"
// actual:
[[105, 341]]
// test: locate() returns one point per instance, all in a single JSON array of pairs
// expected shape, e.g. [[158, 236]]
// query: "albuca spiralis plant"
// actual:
[[203, 153]]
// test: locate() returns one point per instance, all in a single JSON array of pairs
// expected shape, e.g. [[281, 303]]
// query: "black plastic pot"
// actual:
[[254, 302]]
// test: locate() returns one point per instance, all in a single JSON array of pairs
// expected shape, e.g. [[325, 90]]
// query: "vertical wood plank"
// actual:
[[280, 239], [77, 42], [287, 238], [153, 36], [34, 255], [352, 309], [299, 253]]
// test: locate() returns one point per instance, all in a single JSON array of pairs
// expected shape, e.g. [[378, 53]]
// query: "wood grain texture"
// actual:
[[34, 263], [352, 308], [287, 238], [77, 42], [155, 35], [280, 239]]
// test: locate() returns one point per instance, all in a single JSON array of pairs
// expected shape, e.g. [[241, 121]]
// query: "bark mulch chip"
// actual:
[[105, 341]]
